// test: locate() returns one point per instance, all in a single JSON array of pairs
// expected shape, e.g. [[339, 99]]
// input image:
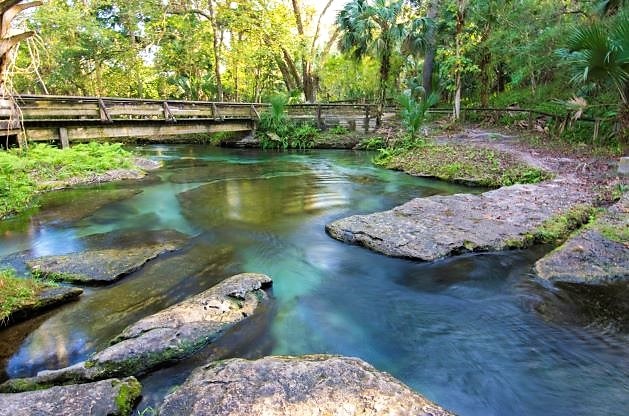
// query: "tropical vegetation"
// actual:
[[543, 54]]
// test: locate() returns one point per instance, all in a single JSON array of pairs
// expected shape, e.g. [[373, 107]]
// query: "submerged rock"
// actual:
[[439, 226], [167, 336], [46, 299], [108, 397], [97, 266], [309, 385], [595, 256]]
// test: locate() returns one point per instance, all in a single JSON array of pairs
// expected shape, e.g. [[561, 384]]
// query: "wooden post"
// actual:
[[63, 135], [216, 113], [530, 125], [367, 119], [105, 117], [319, 121], [254, 113], [168, 115]]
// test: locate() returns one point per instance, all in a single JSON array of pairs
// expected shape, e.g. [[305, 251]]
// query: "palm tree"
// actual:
[[375, 28], [610, 7], [598, 53]]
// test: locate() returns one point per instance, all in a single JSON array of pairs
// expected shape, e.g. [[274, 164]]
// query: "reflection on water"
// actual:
[[475, 333]]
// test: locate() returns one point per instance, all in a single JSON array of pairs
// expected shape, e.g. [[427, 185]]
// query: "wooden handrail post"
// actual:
[[105, 117], [367, 118], [63, 135], [319, 121], [168, 115], [216, 113], [254, 113], [530, 125]]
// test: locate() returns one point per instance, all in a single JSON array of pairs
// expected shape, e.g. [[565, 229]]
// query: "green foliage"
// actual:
[[559, 227], [465, 164], [343, 78], [373, 143], [16, 292], [277, 131], [599, 52], [413, 112], [275, 120], [23, 173], [303, 136], [339, 129]]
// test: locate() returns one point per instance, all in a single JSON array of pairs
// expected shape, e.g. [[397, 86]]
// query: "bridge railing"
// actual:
[[107, 110], [35, 108]]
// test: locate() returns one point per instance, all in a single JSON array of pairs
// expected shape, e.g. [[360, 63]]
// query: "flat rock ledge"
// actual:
[[439, 226], [100, 266], [165, 337], [46, 299], [108, 397], [590, 256], [311, 385]]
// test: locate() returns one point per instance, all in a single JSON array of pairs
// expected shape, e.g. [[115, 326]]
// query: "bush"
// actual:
[[303, 137], [413, 112], [278, 132]]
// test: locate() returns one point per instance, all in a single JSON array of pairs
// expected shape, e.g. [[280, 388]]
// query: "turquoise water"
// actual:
[[475, 333]]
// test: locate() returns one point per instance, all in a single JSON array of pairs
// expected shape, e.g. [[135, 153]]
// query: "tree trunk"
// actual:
[[217, 53], [292, 68], [431, 48], [385, 67], [460, 21], [8, 10], [288, 81], [307, 83]]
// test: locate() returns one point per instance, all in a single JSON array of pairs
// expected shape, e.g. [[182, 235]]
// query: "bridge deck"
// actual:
[[68, 118]]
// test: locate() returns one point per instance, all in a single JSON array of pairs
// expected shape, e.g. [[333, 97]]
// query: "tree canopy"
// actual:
[[484, 51]]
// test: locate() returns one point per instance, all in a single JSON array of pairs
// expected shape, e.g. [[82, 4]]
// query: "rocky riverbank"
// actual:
[[164, 337], [514, 216], [306, 385]]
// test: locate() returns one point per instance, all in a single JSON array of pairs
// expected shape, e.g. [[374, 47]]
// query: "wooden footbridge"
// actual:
[[66, 119]]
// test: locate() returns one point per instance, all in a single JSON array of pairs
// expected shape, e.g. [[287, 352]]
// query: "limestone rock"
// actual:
[[108, 397], [165, 337], [311, 385], [595, 256], [438, 226], [97, 266]]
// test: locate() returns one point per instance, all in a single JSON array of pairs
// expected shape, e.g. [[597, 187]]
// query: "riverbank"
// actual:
[[566, 185], [41, 168], [21, 298]]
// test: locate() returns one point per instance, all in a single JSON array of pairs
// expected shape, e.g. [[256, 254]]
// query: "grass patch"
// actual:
[[23, 173], [454, 163], [16, 292], [558, 228]]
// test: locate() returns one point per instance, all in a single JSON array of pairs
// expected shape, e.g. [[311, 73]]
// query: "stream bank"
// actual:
[[510, 217]]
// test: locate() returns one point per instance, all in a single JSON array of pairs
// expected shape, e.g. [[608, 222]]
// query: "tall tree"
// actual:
[[373, 28], [458, 70], [431, 47]]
